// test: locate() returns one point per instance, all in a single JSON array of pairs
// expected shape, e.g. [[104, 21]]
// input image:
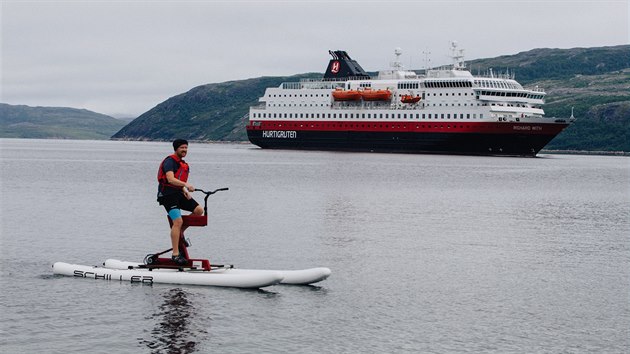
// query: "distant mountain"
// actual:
[[557, 64], [126, 120], [55, 123]]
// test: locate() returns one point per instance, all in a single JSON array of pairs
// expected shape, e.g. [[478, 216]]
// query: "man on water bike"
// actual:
[[174, 193]]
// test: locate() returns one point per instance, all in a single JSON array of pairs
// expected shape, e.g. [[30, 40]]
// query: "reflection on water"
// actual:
[[174, 330]]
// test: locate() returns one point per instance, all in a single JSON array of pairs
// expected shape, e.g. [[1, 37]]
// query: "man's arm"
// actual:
[[170, 177]]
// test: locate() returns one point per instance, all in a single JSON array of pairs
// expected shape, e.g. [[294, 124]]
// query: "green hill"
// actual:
[[595, 81], [55, 123], [207, 112]]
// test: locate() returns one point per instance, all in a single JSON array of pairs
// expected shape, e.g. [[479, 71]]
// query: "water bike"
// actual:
[[156, 269]]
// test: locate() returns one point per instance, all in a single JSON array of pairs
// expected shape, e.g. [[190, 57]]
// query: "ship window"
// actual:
[[381, 116], [423, 115]]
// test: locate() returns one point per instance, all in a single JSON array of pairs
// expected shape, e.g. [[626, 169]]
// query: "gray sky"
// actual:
[[122, 58]]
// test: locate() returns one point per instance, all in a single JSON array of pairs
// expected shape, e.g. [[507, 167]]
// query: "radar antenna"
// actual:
[[427, 60]]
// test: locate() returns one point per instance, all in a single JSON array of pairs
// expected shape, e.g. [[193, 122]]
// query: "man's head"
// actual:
[[181, 147]]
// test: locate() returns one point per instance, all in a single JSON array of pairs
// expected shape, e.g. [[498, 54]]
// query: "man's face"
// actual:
[[181, 151]]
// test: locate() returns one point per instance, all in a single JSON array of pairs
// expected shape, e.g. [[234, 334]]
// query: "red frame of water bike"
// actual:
[[188, 220]]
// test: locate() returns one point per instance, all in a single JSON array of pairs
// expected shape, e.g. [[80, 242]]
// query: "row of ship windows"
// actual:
[[447, 84], [512, 94], [328, 95], [452, 84], [368, 115], [422, 105]]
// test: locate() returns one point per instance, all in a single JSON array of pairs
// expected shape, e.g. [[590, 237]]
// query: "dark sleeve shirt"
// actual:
[[170, 165]]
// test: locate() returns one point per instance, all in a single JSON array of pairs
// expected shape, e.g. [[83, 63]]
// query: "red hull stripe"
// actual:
[[420, 127]]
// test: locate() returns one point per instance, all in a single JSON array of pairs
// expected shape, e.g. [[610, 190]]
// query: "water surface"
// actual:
[[428, 253]]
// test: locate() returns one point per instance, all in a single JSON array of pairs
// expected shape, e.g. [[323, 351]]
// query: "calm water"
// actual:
[[429, 253]]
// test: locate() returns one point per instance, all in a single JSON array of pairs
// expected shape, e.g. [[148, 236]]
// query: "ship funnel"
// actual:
[[341, 66]]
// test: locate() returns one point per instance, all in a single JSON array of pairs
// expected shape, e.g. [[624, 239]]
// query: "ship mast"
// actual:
[[458, 57]]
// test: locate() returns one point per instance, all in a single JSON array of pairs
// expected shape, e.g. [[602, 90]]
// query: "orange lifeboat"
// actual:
[[376, 95], [346, 95], [409, 99]]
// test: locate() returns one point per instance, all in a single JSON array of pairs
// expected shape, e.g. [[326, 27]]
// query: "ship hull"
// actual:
[[461, 143]]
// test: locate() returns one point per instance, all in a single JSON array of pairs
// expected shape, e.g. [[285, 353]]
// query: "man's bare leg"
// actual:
[[175, 231]]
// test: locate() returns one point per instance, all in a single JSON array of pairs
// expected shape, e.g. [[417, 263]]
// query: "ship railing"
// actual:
[[312, 85], [349, 78], [392, 106], [310, 79]]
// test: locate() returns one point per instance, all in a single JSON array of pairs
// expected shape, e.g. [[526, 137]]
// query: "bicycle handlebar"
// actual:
[[212, 192]]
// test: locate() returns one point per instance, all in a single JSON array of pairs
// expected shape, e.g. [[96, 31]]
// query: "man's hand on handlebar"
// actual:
[[187, 189]]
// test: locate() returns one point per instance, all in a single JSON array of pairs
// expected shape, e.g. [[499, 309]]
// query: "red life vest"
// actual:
[[181, 173]]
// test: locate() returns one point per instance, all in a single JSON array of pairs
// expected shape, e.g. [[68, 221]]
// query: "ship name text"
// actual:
[[282, 134], [527, 127]]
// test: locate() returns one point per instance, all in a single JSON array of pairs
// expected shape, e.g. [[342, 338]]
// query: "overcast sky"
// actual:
[[122, 58]]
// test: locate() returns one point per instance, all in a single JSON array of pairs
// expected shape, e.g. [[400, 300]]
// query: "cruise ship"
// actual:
[[442, 111]]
